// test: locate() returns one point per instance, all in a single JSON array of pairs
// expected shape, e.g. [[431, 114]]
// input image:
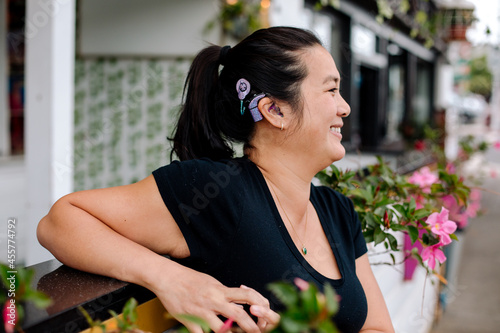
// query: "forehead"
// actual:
[[321, 67]]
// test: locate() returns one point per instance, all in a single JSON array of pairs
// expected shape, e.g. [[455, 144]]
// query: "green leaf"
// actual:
[[421, 213], [4, 275], [454, 237], [371, 220], [39, 299], [404, 6], [286, 293], [130, 310], [195, 320], [400, 209], [412, 205], [368, 235], [413, 232], [393, 258], [379, 236], [421, 17], [327, 326], [291, 325], [398, 227], [331, 299], [393, 242], [309, 300]]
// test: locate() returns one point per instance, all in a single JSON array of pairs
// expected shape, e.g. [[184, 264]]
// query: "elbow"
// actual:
[[43, 231], [48, 230]]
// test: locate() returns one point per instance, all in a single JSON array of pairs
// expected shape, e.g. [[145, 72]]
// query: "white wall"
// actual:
[[146, 28], [50, 36], [288, 13], [12, 205]]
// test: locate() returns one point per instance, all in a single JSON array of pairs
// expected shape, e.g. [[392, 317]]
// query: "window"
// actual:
[[12, 125]]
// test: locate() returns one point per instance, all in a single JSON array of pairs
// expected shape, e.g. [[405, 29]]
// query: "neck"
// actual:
[[288, 177]]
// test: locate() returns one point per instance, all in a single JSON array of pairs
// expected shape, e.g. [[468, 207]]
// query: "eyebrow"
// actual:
[[333, 78]]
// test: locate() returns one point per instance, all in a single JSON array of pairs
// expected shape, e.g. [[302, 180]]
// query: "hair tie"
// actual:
[[223, 54]]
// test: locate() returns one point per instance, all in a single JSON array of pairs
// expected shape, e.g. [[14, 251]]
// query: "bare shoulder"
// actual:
[[135, 211]]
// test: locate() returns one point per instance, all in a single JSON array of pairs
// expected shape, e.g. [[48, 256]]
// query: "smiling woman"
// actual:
[[233, 225]]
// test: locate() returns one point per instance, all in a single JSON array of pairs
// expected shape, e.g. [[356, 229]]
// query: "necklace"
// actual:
[[304, 249]]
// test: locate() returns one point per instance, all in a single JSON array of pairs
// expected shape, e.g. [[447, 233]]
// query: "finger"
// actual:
[[192, 328], [212, 320], [246, 295], [241, 317], [262, 324], [268, 319]]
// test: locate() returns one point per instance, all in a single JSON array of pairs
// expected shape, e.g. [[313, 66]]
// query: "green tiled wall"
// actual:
[[124, 111]]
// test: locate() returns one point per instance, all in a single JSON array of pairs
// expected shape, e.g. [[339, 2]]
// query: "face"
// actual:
[[320, 129]]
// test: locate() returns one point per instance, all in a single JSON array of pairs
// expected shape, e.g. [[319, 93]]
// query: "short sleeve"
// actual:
[[205, 199], [342, 210], [358, 238]]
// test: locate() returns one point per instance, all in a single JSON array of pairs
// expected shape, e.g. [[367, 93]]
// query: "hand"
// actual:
[[190, 292]]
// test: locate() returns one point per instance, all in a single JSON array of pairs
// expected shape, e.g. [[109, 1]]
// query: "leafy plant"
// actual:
[[421, 204], [124, 324], [238, 18], [15, 292], [306, 308]]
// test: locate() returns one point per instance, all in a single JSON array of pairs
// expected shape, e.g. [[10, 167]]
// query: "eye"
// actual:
[[334, 90]]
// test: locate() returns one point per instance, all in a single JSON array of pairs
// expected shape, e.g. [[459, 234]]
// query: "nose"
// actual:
[[343, 109]]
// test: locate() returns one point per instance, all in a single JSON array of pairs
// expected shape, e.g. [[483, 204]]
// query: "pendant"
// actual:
[[304, 250]]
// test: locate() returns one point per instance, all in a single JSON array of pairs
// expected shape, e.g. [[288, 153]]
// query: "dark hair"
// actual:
[[210, 117]]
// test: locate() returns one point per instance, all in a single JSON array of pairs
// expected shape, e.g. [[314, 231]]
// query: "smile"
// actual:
[[335, 129]]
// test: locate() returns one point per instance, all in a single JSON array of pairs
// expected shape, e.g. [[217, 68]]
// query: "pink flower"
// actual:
[[441, 226], [475, 195], [497, 145], [227, 326], [472, 209], [474, 204], [424, 178], [419, 200], [463, 221], [433, 253], [450, 168], [301, 284]]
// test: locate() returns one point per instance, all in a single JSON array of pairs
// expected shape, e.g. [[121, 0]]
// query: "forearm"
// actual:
[[81, 241]]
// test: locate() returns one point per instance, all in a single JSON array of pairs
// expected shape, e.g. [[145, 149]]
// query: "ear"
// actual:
[[271, 112]]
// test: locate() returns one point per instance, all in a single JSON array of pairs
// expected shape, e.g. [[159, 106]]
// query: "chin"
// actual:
[[337, 155]]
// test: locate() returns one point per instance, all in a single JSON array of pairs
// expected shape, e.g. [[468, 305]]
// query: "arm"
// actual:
[[378, 319], [118, 232]]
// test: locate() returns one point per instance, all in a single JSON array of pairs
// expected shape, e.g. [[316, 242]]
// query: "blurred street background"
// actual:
[[474, 302]]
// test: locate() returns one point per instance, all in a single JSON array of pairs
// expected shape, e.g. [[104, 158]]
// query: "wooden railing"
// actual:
[[69, 289]]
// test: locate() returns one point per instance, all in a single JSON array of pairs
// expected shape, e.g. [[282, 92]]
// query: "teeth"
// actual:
[[335, 129]]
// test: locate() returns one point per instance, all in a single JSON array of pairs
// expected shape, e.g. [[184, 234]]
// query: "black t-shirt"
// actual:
[[235, 233]]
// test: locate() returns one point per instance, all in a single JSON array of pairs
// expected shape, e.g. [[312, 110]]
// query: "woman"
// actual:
[[231, 226]]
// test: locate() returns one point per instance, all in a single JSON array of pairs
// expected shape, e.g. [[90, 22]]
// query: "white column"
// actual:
[[4, 105], [50, 53], [289, 13]]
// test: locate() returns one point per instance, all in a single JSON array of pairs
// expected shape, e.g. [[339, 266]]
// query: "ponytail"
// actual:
[[210, 118], [197, 133]]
